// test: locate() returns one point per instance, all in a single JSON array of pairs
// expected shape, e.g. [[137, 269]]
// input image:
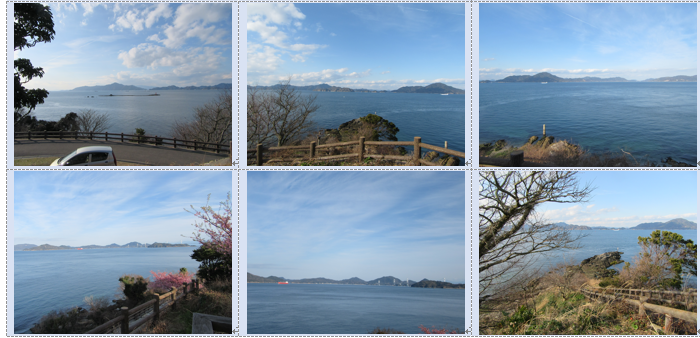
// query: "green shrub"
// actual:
[[57, 322], [134, 287], [610, 281]]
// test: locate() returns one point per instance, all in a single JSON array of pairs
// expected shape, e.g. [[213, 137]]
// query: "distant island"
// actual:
[[49, 247], [435, 88], [118, 86], [674, 224], [547, 77], [383, 281]]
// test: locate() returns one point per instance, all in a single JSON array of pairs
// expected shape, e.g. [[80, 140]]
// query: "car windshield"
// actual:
[[63, 159]]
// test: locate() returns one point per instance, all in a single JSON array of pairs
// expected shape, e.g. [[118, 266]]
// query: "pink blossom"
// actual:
[[214, 231], [164, 281], [436, 331]]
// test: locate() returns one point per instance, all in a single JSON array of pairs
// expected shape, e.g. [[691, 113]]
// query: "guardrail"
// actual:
[[134, 320], [643, 305], [139, 139], [686, 298], [360, 155]]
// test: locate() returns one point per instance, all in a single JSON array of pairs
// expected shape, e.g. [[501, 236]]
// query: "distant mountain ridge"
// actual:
[[386, 281], [48, 247], [547, 77], [119, 86], [219, 86], [435, 88], [674, 224]]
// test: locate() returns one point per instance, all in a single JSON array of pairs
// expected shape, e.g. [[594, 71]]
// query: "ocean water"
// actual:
[[435, 118], [648, 119], [600, 241], [350, 309], [155, 114], [56, 280]]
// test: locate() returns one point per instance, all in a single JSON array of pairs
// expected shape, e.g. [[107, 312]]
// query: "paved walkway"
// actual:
[[131, 152]]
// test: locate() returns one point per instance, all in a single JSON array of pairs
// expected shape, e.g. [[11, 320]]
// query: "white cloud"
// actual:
[[184, 63], [332, 34], [273, 22], [138, 20], [262, 59], [196, 21], [386, 72], [489, 59], [88, 7]]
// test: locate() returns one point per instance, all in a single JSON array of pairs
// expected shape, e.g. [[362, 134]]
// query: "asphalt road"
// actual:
[[131, 152]]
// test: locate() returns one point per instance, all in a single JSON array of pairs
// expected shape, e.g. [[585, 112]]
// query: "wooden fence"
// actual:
[[360, 155], [139, 139], [643, 305], [136, 319]]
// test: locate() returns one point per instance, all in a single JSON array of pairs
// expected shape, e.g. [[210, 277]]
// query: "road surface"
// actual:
[[131, 152]]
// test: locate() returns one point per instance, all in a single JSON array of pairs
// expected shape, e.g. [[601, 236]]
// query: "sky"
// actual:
[[573, 40], [372, 46], [78, 208], [627, 198], [159, 44], [339, 225]]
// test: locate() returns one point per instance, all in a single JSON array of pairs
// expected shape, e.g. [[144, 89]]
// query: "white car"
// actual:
[[88, 156]]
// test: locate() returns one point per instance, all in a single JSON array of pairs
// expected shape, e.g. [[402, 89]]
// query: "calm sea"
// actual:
[[651, 119], [55, 280], [435, 118], [155, 114], [350, 309]]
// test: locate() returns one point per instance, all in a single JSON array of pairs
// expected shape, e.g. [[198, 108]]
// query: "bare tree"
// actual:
[[89, 120], [511, 233], [283, 114], [212, 122]]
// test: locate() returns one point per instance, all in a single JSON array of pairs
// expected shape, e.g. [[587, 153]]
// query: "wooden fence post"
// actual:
[[156, 307], [258, 155], [45, 134], [667, 323], [185, 285], [29, 135], [173, 295], [416, 151], [122, 137], [125, 320], [544, 134], [517, 158], [445, 144], [362, 149], [642, 299], [195, 145], [174, 142], [60, 134], [312, 150], [106, 136]]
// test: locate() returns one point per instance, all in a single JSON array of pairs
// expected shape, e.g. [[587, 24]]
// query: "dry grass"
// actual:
[[215, 298], [565, 153]]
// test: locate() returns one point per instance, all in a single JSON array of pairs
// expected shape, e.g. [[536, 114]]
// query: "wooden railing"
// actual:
[[361, 153], [643, 303], [134, 320], [139, 139]]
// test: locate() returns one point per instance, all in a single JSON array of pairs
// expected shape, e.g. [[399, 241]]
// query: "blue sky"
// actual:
[[633, 41], [340, 225], [135, 44], [628, 198], [373, 46], [103, 207]]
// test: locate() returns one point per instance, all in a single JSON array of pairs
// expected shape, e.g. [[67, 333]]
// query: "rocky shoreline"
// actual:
[[500, 149]]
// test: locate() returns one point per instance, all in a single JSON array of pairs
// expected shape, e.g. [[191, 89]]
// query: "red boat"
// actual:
[[79, 249], [282, 282]]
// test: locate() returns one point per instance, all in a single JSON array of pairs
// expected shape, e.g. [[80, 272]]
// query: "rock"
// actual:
[[597, 266], [431, 155], [673, 163], [562, 146], [499, 145], [532, 139], [545, 142], [449, 161]]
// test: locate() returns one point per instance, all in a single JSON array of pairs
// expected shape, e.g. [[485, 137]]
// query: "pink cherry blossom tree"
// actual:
[[214, 227]]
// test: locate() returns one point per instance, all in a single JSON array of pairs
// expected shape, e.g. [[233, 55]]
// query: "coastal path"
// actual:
[[143, 154]]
